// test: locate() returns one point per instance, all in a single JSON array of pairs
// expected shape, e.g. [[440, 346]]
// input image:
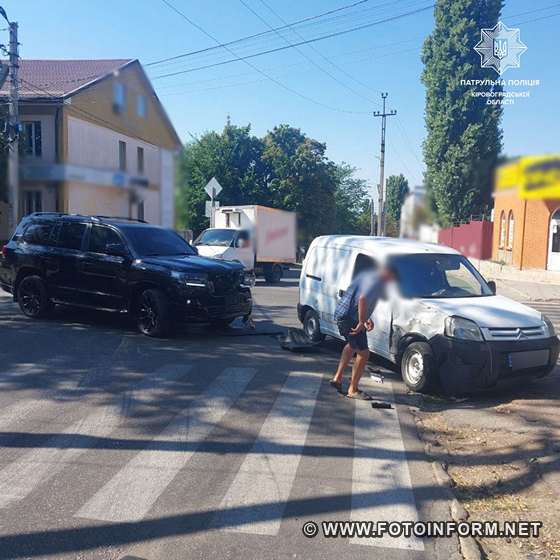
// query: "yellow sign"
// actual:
[[541, 177], [535, 177]]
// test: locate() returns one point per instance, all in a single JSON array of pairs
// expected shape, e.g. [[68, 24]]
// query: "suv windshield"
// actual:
[[153, 241], [438, 276], [218, 237]]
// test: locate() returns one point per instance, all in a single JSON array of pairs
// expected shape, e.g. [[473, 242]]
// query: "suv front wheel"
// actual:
[[32, 297], [153, 313]]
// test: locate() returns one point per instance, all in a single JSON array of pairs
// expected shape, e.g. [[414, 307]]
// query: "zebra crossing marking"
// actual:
[[261, 477], [130, 494], [381, 484], [21, 477]]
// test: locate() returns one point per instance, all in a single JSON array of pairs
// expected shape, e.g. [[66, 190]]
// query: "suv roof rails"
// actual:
[[120, 218], [92, 216]]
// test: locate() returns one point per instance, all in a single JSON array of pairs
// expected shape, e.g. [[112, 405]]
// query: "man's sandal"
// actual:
[[337, 386], [359, 396]]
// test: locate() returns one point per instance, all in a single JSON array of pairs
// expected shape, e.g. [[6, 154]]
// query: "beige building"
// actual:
[[95, 139]]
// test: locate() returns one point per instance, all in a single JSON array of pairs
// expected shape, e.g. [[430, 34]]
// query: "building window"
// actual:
[[122, 155], [502, 239], [140, 160], [32, 144], [32, 202], [141, 107], [511, 227], [119, 97]]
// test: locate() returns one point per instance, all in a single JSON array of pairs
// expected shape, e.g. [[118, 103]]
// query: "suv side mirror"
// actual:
[[492, 286], [116, 250]]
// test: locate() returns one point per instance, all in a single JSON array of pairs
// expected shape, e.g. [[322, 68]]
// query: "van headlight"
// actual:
[[463, 329], [548, 326]]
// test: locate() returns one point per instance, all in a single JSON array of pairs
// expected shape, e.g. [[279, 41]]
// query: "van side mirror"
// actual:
[[492, 286]]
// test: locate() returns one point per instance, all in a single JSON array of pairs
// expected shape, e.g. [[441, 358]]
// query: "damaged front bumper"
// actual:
[[465, 365]]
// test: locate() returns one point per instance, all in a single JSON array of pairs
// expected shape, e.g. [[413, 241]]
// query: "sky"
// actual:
[[329, 88]]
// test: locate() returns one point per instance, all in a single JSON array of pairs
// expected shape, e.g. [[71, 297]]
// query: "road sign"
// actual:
[[208, 210], [213, 188]]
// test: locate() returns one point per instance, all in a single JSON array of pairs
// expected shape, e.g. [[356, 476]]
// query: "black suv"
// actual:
[[121, 265]]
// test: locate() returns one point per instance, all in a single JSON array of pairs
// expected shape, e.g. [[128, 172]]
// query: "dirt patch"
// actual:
[[504, 473]]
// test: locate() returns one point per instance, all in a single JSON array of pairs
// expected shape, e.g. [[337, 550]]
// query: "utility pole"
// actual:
[[13, 124], [381, 186]]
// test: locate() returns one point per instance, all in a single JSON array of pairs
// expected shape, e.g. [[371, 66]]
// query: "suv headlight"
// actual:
[[192, 279], [464, 329], [549, 327], [248, 279]]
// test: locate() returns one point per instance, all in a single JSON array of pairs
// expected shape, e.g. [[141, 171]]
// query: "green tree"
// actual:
[[397, 189], [351, 202], [234, 158], [464, 137], [302, 179]]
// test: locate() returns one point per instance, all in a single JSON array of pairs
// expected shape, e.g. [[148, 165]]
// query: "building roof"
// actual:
[[59, 78], [382, 247], [55, 80]]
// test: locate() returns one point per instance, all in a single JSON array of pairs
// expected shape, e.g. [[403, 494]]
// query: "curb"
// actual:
[[468, 546]]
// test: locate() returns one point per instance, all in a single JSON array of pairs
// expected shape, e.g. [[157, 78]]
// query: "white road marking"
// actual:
[[267, 475], [130, 494], [20, 410], [381, 485], [20, 478]]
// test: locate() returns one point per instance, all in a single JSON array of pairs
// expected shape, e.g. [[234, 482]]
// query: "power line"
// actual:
[[319, 67], [271, 78], [306, 42], [248, 37]]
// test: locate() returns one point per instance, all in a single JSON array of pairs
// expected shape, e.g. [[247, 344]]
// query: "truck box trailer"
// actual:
[[262, 238]]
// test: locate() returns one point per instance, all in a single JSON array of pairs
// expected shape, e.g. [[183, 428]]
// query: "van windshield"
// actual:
[[216, 237], [438, 276]]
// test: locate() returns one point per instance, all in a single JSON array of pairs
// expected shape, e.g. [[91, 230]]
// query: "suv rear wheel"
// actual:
[[32, 297], [153, 315]]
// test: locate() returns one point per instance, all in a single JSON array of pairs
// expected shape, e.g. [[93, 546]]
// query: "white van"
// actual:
[[443, 321]]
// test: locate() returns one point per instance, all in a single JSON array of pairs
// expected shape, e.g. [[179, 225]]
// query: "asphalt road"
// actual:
[[204, 445]]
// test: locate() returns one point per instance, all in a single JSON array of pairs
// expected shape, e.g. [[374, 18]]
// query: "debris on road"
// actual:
[[297, 341]]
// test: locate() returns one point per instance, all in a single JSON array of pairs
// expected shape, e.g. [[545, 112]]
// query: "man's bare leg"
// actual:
[[357, 370], [345, 358]]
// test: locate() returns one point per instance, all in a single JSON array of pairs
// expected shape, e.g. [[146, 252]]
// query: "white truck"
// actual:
[[263, 239]]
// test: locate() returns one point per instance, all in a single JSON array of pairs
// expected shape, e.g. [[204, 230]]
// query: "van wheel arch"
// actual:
[[405, 341]]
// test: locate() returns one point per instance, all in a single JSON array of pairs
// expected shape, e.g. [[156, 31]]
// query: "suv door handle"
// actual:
[[314, 277]]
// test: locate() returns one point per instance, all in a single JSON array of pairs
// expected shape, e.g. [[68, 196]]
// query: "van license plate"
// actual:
[[531, 359]]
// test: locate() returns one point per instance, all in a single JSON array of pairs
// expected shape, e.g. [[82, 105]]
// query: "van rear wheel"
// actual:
[[417, 367], [312, 326]]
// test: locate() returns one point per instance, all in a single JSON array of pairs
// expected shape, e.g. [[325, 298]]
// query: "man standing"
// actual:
[[353, 316]]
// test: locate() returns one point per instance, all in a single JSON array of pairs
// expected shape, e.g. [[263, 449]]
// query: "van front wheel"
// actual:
[[312, 326], [417, 366]]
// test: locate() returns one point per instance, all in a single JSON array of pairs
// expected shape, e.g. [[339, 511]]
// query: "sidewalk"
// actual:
[[530, 284]]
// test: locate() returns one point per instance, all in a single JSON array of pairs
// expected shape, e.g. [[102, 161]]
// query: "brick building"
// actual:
[[527, 213]]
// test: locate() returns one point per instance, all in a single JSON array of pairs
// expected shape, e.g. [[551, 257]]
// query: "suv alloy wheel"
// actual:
[[32, 297], [153, 316]]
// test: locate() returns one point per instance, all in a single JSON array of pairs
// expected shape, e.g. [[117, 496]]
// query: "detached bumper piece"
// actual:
[[467, 365]]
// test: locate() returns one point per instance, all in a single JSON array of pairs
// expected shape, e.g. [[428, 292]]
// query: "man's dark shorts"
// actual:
[[358, 342]]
